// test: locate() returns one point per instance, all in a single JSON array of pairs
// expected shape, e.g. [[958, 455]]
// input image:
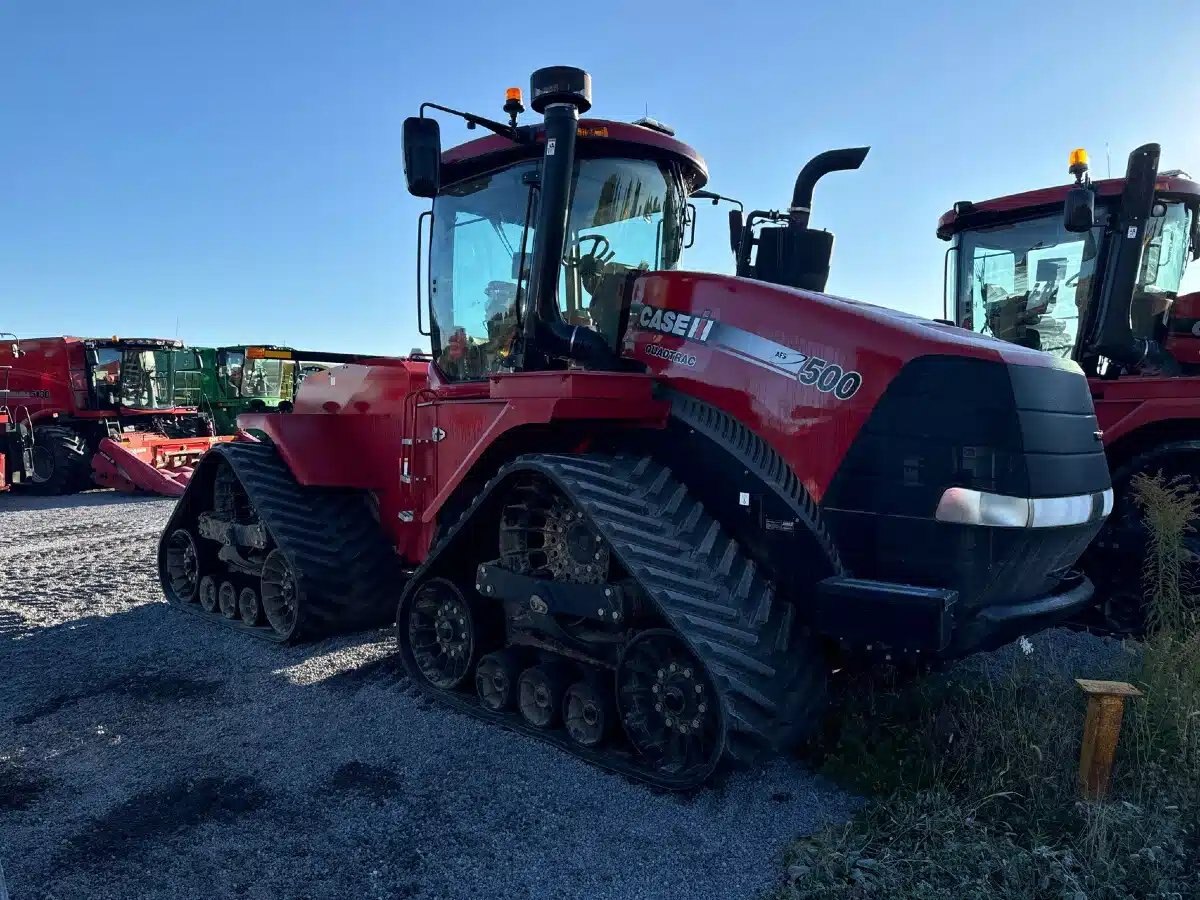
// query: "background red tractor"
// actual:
[[1091, 272], [95, 410], [636, 511]]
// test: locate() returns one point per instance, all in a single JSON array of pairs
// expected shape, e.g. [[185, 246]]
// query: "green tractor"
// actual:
[[228, 381]]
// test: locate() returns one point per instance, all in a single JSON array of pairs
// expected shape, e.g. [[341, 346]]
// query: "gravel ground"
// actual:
[[147, 754]]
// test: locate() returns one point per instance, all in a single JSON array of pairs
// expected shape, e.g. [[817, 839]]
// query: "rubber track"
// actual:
[[771, 677], [347, 571]]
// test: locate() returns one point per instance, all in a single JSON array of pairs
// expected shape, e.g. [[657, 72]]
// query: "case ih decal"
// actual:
[[811, 371], [668, 321]]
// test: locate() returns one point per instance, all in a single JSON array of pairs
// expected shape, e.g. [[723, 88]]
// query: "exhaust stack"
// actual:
[[814, 170], [792, 254]]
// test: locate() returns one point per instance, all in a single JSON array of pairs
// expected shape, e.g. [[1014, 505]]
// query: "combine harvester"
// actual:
[[229, 381], [84, 410], [1091, 272], [638, 512]]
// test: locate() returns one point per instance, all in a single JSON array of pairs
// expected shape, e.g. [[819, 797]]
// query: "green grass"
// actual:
[[973, 772]]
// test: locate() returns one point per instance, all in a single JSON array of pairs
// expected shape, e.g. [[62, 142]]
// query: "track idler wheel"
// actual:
[[280, 594], [183, 566], [441, 634], [540, 694], [496, 679], [249, 607], [227, 599], [671, 712], [208, 594], [588, 713]]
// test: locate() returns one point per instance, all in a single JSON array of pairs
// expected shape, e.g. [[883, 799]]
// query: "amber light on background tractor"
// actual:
[[1077, 163]]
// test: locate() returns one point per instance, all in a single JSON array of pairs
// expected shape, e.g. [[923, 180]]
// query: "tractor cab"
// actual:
[[1089, 272], [266, 374], [612, 195], [133, 375]]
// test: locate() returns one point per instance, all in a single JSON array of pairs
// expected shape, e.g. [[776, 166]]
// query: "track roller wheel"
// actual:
[[588, 713], [208, 594], [183, 565], [227, 599], [441, 634], [540, 695], [671, 712], [280, 594], [496, 680], [249, 607]]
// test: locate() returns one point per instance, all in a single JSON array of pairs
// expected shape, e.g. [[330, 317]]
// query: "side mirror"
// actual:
[[422, 156], [1079, 212], [735, 230]]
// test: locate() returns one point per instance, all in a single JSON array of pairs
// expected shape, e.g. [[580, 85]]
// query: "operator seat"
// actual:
[[611, 289]]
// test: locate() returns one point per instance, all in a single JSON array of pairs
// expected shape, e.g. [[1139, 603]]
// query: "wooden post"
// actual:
[[1101, 729]]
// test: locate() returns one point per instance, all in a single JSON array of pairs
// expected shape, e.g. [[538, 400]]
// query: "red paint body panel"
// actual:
[[350, 426], [811, 429], [1127, 404], [397, 429]]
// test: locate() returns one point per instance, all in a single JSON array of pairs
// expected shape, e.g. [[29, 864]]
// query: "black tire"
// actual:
[[61, 462], [540, 693], [207, 594], [227, 600], [282, 598], [496, 679], [183, 566], [250, 607]]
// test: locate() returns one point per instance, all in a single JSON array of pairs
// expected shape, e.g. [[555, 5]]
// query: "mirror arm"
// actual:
[[514, 134], [716, 198]]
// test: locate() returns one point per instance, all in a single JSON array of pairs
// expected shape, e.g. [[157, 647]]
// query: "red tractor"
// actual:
[[1091, 273], [635, 511], [77, 411]]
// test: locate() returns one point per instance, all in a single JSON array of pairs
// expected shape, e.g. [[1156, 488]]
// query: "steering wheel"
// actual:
[[600, 253]]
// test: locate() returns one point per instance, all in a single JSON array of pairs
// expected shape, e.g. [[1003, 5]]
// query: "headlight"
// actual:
[[965, 506]]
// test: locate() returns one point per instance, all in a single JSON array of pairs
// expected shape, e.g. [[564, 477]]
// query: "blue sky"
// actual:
[[232, 170]]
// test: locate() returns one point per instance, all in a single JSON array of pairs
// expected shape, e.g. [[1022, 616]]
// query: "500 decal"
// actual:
[[827, 377]]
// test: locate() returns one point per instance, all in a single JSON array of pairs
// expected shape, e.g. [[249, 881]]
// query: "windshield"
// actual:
[[1165, 252], [626, 215], [1028, 282], [268, 379], [189, 379], [147, 379]]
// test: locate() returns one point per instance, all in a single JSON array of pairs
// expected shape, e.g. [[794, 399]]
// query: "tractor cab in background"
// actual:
[[225, 382], [138, 376], [1092, 272], [1018, 270]]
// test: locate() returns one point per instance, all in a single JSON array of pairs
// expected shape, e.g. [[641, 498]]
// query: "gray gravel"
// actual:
[[146, 754]]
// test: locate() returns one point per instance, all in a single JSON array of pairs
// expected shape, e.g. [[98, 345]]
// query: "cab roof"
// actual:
[[491, 151], [968, 214]]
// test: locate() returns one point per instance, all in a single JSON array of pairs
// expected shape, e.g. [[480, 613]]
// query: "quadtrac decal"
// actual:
[[811, 371]]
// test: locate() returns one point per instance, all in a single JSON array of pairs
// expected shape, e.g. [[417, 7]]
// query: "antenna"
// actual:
[[1108, 159]]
